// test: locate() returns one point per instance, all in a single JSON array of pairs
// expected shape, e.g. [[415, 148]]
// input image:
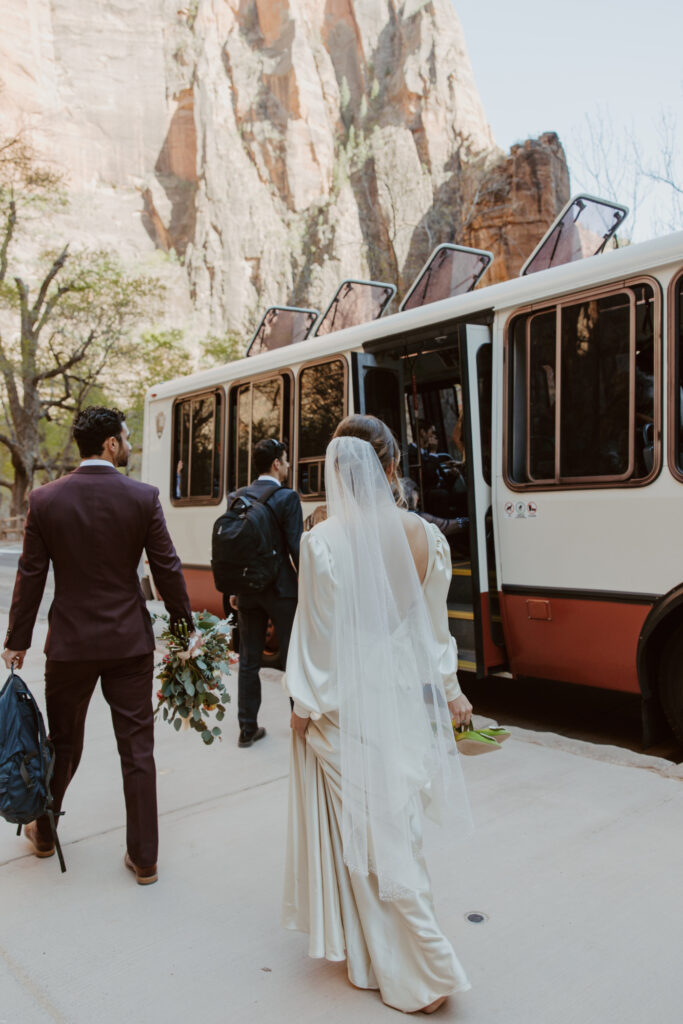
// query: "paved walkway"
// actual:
[[576, 863]]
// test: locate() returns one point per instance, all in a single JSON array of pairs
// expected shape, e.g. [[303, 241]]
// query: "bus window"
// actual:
[[197, 449], [484, 384], [322, 404], [541, 407], [182, 463], [596, 359], [258, 410], [597, 373], [383, 397], [677, 396], [440, 464], [243, 434]]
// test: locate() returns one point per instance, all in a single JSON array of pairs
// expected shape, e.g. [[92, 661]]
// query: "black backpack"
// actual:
[[27, 759], [246, 545]]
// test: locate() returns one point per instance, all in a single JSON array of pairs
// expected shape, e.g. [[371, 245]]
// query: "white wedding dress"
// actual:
[[391, 944]]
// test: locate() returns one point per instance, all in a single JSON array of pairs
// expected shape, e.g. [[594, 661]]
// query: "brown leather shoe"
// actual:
[[41, 848], [143, 876]]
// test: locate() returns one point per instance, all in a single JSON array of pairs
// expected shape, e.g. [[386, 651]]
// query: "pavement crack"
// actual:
[[196, 805], [31, 987]]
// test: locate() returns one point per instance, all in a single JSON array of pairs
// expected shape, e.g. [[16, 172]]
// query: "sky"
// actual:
[[544, 66]]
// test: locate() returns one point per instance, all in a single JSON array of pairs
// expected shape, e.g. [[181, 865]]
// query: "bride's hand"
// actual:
[[461, 710], [299, 725]]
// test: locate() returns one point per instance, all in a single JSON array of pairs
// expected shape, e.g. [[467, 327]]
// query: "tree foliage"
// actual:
[[67, 325]]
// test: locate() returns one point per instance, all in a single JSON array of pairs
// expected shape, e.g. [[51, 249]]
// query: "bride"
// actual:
[[372, 672]]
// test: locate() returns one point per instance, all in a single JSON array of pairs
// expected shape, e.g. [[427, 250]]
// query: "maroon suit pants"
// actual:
[[127, 689]]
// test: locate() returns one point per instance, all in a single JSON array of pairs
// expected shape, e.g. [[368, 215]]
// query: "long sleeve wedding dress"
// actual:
[[392, 943]]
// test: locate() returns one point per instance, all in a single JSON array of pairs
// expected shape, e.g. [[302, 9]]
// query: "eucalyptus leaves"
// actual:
[[192, 687]]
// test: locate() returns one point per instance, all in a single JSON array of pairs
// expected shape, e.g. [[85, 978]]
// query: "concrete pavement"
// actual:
[[576, 863]]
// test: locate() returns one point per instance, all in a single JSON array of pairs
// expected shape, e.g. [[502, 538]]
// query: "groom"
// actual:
[[93, 526]]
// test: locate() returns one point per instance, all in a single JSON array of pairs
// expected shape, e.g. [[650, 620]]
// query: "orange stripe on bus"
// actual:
[[589, 642]]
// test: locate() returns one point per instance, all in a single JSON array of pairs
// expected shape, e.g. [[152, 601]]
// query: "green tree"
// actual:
[[160, 355], [66, 331], [214, 351]]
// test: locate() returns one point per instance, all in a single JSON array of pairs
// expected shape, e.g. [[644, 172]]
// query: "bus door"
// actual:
[[475, 361], [378, 390]]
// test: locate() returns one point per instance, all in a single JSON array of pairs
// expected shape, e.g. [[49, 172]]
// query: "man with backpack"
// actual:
[[277, 600], [93, 526]]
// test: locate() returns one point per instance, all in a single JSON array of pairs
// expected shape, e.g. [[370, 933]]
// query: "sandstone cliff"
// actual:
[[271, 147]]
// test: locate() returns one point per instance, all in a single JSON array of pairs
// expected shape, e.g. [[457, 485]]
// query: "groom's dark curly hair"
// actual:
[[92, 427]]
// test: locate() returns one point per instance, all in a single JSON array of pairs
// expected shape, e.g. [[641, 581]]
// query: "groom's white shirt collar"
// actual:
[[97, 462], [266, 476]]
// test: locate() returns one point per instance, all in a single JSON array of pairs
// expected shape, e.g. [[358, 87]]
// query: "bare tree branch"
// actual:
[[61, 367], [47, 281], [9, 232], [7, 371], [23, 306], [8, 442], [665, 180], [610, 160], [62, 290]]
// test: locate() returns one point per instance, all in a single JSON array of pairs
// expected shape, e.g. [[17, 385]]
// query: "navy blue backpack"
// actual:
[[27, 759]]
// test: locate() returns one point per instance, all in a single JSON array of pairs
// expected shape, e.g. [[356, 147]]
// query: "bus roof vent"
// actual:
[[450, 270], [355, 302], [280, 326], [583, 228]]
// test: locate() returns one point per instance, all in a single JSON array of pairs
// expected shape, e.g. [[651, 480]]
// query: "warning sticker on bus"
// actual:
[[521, 510]]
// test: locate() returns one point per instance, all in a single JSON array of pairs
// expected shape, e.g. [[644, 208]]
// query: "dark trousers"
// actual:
[[253, 615], [127, 689]]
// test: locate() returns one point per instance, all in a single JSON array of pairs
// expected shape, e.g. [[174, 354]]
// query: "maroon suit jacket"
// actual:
[[93, 525]]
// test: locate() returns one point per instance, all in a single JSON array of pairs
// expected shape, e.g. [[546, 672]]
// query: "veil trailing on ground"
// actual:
[[398, 753]]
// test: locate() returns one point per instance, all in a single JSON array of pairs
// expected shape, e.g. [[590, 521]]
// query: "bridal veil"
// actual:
[[397, 743]]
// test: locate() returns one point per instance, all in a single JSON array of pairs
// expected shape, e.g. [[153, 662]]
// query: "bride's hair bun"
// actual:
[[377, 433]]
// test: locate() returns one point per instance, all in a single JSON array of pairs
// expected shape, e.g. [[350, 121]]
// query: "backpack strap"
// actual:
[[268, 493], [265, 496], [53, 826], [249, 499], [264, 500], [46, 744]]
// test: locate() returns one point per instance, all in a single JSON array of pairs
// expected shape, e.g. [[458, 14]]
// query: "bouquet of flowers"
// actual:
[[192, 686]]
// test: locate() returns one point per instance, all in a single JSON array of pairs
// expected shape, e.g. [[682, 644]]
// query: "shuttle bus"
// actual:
[[546, 409]]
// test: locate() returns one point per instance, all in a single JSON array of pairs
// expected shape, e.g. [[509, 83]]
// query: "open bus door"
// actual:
[[378, 390], [386, 384], [475, 361]]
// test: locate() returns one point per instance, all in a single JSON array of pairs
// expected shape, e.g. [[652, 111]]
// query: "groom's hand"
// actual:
[[13, 657], [196, 643]]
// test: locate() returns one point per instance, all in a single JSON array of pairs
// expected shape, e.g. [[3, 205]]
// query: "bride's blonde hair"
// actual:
[[377, 433]]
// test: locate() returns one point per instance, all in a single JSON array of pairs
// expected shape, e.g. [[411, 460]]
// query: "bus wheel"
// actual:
[[671, 681]]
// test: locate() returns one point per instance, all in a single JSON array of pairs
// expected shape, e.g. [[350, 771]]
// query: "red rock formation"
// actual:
[[275, 146], [531, 186], [176, 173]]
